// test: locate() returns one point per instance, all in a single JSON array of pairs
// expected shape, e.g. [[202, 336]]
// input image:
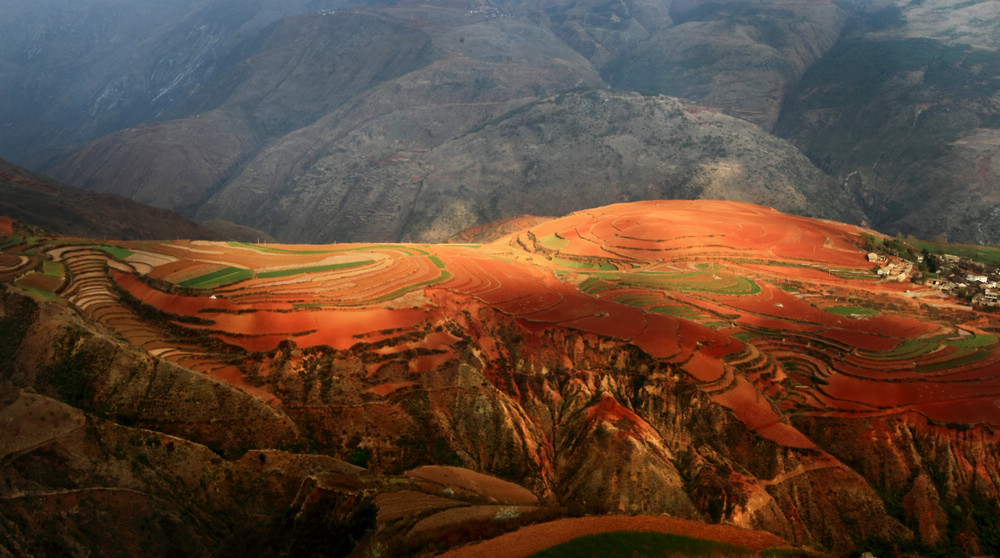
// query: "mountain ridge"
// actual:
[[237, 108], [40, 201]]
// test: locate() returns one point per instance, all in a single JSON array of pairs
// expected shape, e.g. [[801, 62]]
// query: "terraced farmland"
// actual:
[[618, 306], [691, 276]]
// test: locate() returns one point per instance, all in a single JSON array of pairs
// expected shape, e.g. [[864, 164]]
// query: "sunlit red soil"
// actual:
[[770, 315], [749, 302]]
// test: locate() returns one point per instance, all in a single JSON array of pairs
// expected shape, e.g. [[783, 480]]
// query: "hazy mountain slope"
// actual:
[[555, 155], [905, 110], [277, 89], [316, 182], [77, 70], [741, 57], [578, 149], [225, 109], [43, 202], [411, 157]]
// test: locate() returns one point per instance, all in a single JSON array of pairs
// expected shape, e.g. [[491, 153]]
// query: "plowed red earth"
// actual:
[[701, 285], [535, 538]]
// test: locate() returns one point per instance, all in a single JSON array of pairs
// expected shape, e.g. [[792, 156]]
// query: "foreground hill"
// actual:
[[714, 361]]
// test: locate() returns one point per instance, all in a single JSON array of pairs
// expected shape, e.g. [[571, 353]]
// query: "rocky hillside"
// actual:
[[904, 111], [321, 121], [716, 361], [550, 156]]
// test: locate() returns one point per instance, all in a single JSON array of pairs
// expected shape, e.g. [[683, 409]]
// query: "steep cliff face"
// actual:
[[937, 479]]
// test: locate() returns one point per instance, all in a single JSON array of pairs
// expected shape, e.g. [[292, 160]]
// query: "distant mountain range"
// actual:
[[334, 120]]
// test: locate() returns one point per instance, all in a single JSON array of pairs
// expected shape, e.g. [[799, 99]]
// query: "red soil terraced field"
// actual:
[[691, 282], [766, 317]]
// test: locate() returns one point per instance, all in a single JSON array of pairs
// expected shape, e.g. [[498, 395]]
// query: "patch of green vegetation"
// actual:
[[956, 362], [975, 341], [640, 544], [732, 286], [40, 295], [437, 262], [224, 276], [678, 311], [850, 274], [10, 241], [553, 242], [594, 285], [115, 251], [361, 456], [983, 254], [696, 281], [852, 311], [891, 246], [311, 269], [601, 266], [909, 349], [53, 269]]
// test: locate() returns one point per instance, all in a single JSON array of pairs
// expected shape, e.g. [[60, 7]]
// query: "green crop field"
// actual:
[[573, 264], [10, 241], [53, 269], [975, 341], [224, 276], [699, 283], [968, 357], [437, 262], [852, 310], [985, 254], [311, 269], [553, 242], [115, 251]]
